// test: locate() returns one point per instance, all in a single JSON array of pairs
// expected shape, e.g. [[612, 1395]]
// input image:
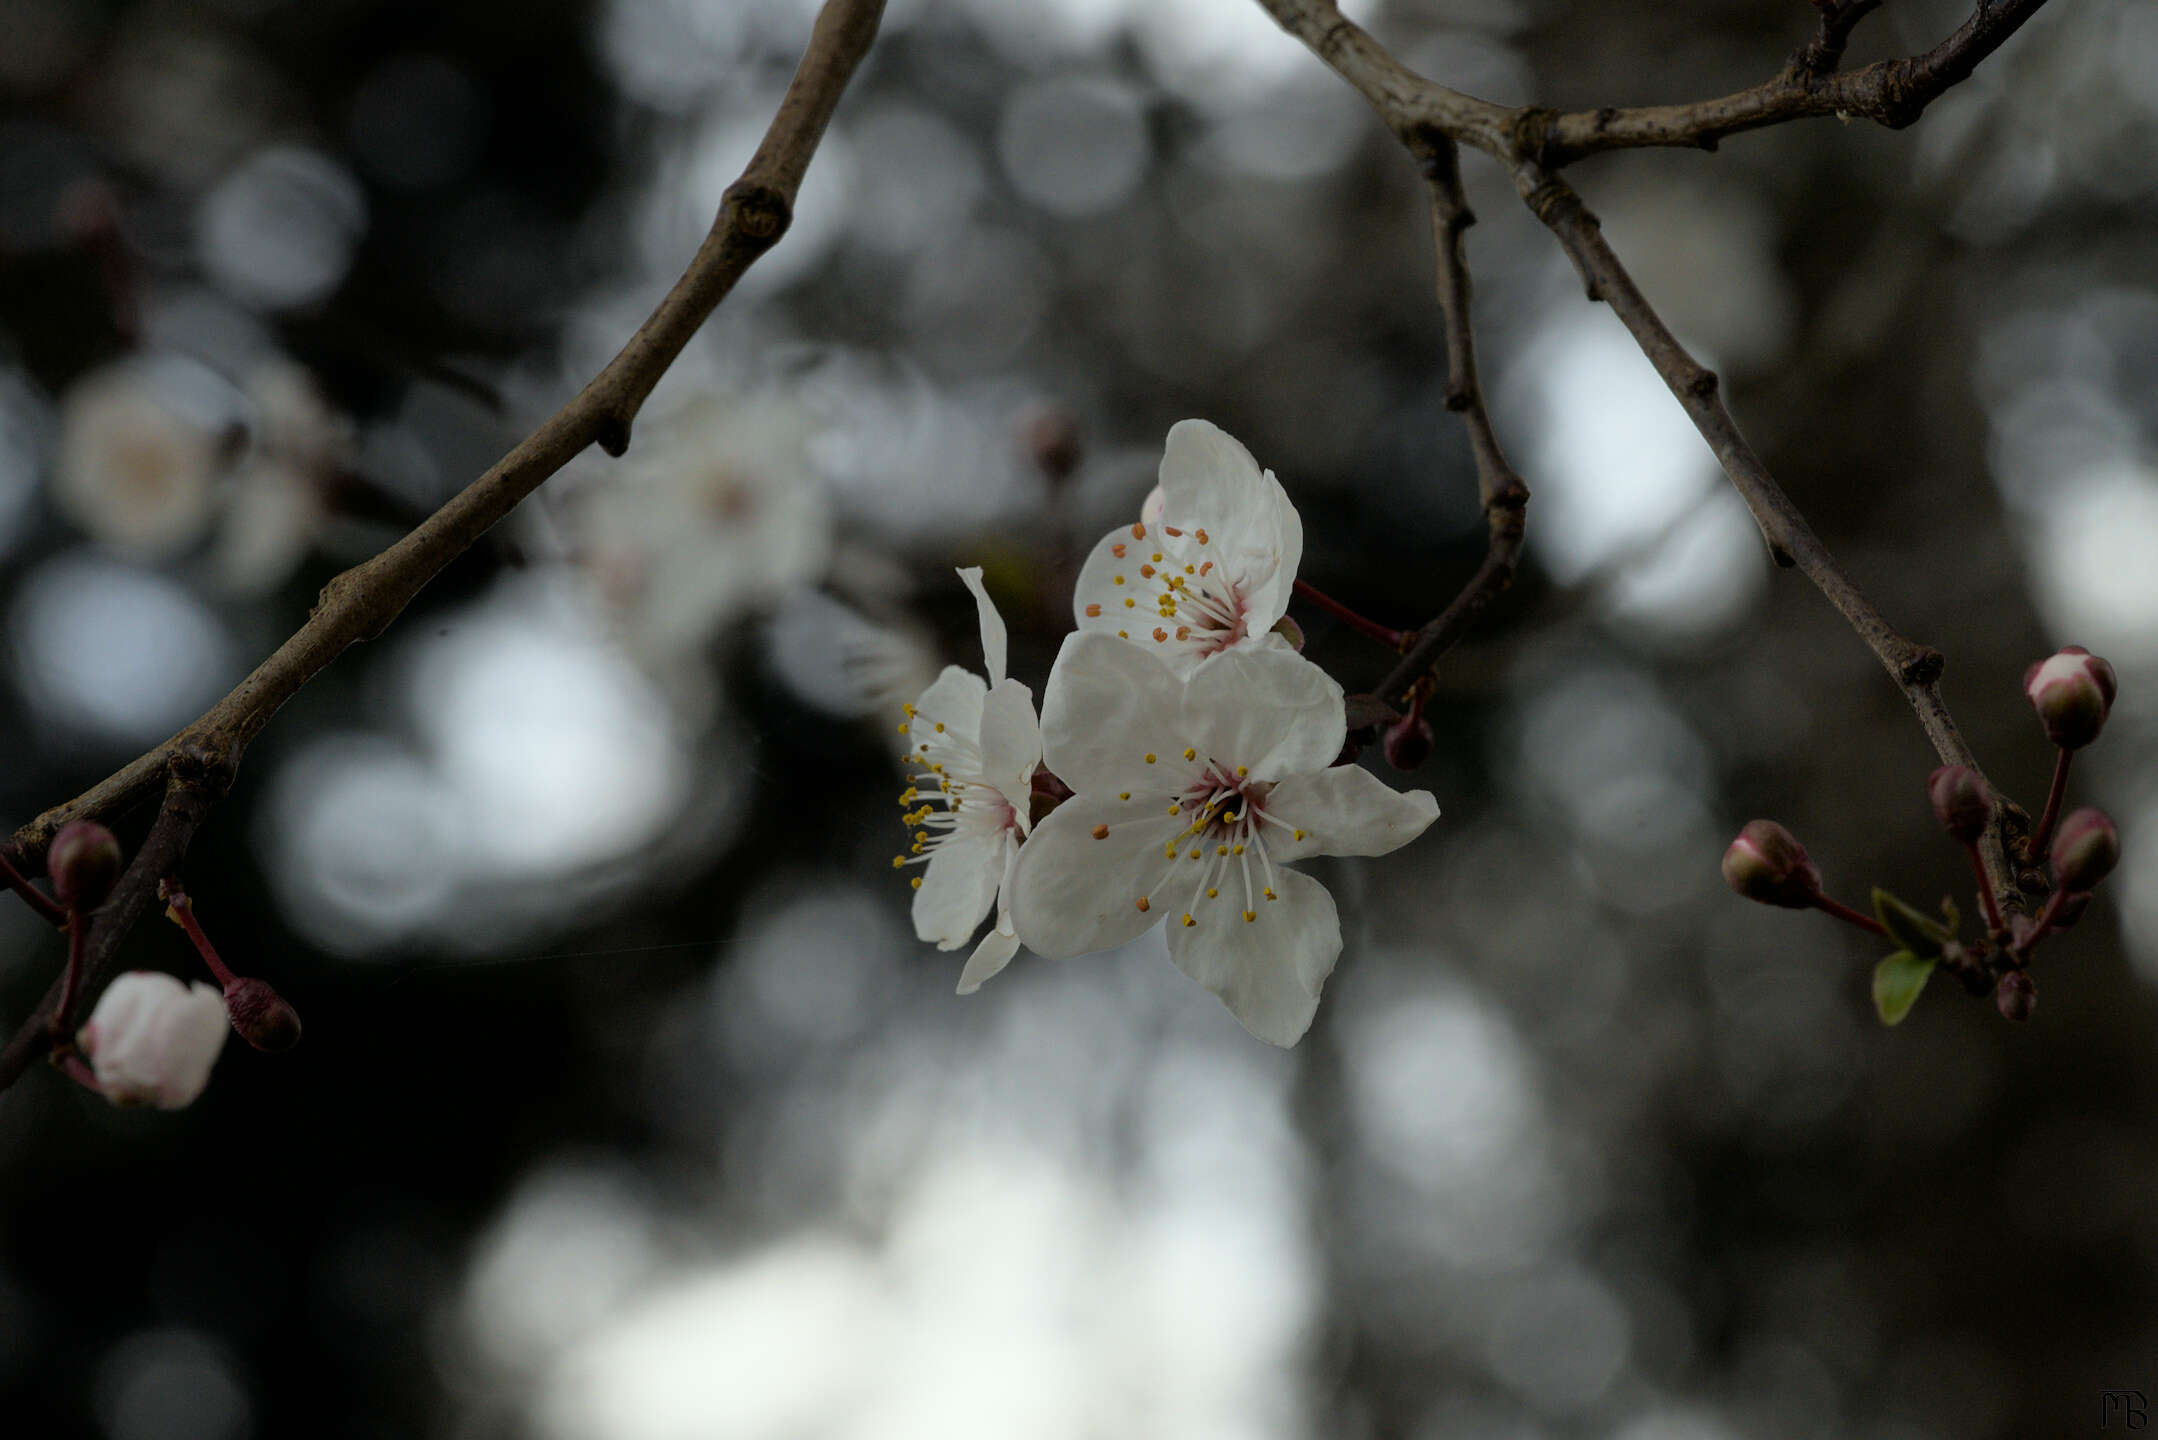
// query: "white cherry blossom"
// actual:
[[1192, 793], [153, 1041], [139, 461], [975, 748], [1208, 567]]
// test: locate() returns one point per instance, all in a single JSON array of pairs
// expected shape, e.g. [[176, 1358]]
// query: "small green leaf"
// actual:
[[1896, 983], [1911, 928]]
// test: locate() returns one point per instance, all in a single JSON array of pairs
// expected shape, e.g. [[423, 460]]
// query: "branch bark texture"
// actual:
[[362, 602]]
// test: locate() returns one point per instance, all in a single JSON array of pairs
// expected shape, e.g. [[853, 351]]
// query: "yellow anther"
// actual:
[[1189, 571], [1221, 849], [1236, 849], [1168, 851], [902, 727], [1174, 809], [1123, 634], [1188, 921], [1194, 852], [1271, 895], [1297, 833], [1123, 795], [909, 711], [1130, 604], [940, 727], [899, 862], [921, 837], [916, 882], [1118, 580], [1190, 754], [1211, 892], [1242, 771], [1250, 915], [1157, 554], [1150, 757]]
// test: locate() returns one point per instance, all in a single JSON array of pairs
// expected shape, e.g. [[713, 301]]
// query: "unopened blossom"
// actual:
[[975, 748], [136, 470], [1210, 568], [715, 513], [153, 1041], [2072, 691], [1192, 795]]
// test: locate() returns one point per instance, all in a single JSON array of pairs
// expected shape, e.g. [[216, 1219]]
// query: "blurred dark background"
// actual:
[[630, 1109]]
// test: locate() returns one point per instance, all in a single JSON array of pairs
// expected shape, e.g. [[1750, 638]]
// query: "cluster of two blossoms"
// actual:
[[1184, 755]]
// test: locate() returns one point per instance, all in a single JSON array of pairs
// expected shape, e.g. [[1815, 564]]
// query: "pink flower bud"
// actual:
[[2072, 691], [264, 1018], [2085, 850], [1766, 863], [1408, 742], [84, 863], [1962, 801], [2016, 996], [153, 1041]]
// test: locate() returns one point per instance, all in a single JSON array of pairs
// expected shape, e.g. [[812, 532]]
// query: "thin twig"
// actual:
[[360, 603], [1892, 92], [1822, 54], [1503, 495], [1914, 667]]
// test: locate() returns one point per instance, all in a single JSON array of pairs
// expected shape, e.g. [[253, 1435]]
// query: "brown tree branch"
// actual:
[[360, 603], [1503, 495], [1915, 668], [1824, 52], [1533, 142], [1893, 92]]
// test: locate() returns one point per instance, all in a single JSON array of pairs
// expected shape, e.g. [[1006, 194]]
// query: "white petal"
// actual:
[[1267, 709], [1111, 576], [153, 1041], [1267, 600], [959, 884], [1210, 482], [988, 960], [1011, 740], [1346, 810], [955, 700], [1109, 705], [1075, 894], [1268, 970], [993, 637]]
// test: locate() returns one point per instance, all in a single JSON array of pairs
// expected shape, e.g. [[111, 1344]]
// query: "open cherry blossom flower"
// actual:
[[1192, 793], [153, 1040], [976, 746], [1209, 567]]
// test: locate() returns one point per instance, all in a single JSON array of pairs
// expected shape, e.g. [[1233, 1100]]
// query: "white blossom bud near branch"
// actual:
[[2072, 691], [153, 1041]]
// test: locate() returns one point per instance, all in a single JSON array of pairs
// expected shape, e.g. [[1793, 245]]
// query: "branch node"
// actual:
[[757, 213], [1701, 383], [612, 435], [1924, 667]]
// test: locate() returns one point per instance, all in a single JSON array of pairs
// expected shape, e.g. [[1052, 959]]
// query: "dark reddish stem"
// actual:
[[2044, 832], [181, 912], [2043, 925], [1994, 926], [1396, 639], [35, 898], [1845, 913], [71, 1066], [63, 1015]]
